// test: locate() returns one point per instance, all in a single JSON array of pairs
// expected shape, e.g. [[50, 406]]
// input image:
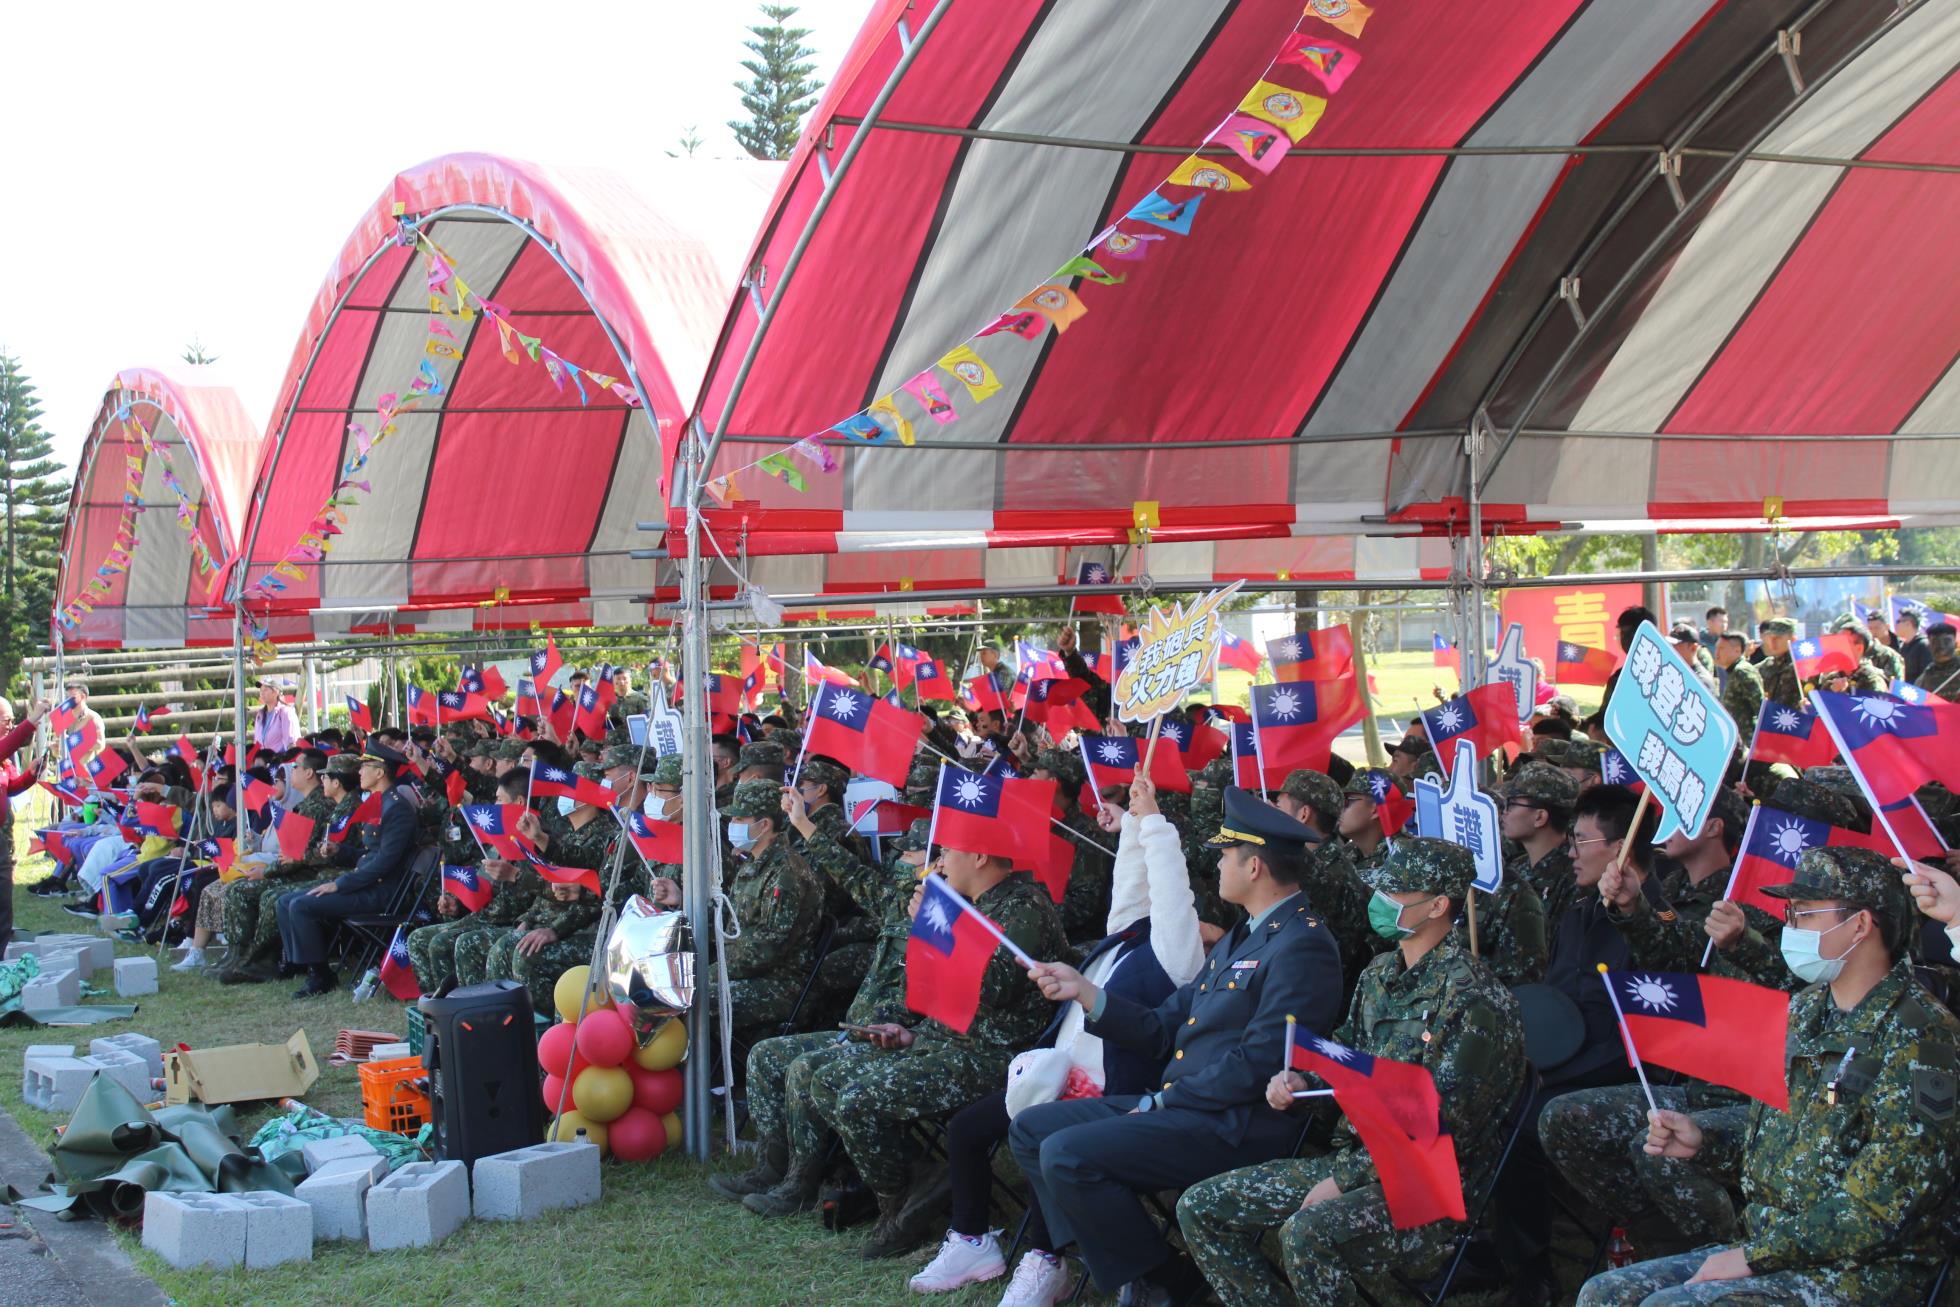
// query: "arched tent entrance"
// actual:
[[159, 496], [527, 338]]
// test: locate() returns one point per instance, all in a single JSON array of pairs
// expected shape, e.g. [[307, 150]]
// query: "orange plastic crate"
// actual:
[[395, 1095]]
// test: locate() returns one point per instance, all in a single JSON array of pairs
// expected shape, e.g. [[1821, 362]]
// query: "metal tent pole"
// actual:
[[238, 680], [698, 828]]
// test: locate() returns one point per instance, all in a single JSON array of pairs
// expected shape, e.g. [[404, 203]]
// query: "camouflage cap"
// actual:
[[1865, 877], [1803, 797], [762, 753], [1315, 789], [1776, 626], [1551, 750], [1414, 864], [924, 774], [592, 771], [755, 798], [1582, 755], [1064, 765], [1217, 774], [1839, 780], [914, 838], [1542, 782], [1936, 799], [667, 770], [511, 750], [629, 755], [484, 749], [344, 766], [827, 772], [1359, 783]]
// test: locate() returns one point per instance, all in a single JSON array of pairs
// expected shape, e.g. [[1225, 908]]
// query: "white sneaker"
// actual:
[[961, 1262], [1039, 1281], [193, 960]]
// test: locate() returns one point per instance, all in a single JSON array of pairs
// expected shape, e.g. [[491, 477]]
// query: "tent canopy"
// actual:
[[201, 438], [1285, 392], [511, 487]]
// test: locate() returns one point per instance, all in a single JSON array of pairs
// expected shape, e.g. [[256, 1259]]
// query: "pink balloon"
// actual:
[[638, 1136], [659, 1092], [553, 1087], [604, 1038], [557, 1045]]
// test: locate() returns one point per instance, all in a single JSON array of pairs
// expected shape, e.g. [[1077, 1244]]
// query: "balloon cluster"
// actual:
[[626, 1099]]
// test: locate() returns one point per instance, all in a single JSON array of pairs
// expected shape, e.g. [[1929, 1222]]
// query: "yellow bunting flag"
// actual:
[[1058, 304], [885, 413], [1348, 15], [1207, 176], [971, 371], [1289, 110], [288, 568]]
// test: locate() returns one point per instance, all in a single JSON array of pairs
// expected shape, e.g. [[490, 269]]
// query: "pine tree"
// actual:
[[33, 495], [779, 90]]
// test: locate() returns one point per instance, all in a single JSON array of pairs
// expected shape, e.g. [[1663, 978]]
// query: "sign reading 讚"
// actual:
[[663, 722], [1511, 665], [1463, 814], [1177, 652], [1672, 729]]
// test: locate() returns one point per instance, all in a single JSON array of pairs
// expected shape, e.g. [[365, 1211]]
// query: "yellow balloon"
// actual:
[[571, 1123], [664, 1051], [565, 995], [673, 1123], [602, 1093]]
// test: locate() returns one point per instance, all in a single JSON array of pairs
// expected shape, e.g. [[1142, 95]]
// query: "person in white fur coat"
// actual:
[[1154, 945]]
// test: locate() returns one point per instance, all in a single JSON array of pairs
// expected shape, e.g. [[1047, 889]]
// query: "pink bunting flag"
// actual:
[[925, 388], [817, 453]]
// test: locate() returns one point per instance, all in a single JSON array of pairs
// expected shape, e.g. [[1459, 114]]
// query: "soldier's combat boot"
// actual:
[[796, 1192], [898, 1230], [766, 1174]]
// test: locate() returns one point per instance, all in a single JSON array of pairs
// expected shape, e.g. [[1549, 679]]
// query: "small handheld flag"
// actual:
[[467, 886], [397, 973], [947, 953]]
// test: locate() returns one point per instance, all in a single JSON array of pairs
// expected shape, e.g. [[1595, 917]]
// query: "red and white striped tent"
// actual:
[[513, 493], [1682, 264], [176, 427]]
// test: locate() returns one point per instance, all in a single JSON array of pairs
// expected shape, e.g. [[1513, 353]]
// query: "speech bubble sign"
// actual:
[[1511, 665], [663, 723], [1463, 814], [1672, 730], [1177, 651]]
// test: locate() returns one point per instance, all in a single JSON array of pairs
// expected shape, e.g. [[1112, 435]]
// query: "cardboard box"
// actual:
[[240, 1073]]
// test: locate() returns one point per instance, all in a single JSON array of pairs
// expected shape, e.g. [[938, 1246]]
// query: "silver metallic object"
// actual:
[[650, 966]]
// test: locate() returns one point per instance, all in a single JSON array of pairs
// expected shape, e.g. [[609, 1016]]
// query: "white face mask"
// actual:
[[741, 836], [565, 806], [656, 808]]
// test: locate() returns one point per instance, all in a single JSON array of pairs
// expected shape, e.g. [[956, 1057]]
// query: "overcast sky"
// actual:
[[189, 170]]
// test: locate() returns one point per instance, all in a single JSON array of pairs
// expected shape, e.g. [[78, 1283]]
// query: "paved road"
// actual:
[[46, 1262]]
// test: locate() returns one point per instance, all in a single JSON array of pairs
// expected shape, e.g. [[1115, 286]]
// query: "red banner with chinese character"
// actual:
[[1581, 615]]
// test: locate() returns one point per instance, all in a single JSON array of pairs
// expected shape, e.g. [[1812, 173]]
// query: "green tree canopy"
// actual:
[[33, 497], [779, 90]]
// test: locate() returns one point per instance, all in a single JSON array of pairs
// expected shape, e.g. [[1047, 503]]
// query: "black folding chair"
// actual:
[[1939, 1283], [361, 939]]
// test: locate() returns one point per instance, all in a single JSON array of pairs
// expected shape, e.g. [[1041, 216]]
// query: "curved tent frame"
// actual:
[[508, 496], [202, 436]]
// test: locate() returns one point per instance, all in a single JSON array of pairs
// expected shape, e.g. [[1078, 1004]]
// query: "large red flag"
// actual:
[[1486, 716], [1114, 760], [993, 815], [946, 957], [294, 831], [1578, 665], [1326, 654], [863, 732], [1821, 654], [1791, 735], [1297, 722], [1892, 747], [1395, 1109], [1727, 1032]]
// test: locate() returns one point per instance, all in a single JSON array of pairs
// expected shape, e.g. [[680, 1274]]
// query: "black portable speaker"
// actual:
[[482, 1053]]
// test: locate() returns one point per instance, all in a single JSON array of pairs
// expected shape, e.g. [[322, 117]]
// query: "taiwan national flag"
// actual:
[[1771, 844], [79, 740], [397, 973], [589, 713], [1396, 1110], [421, 707], [1914, 829], [1486, 716], [1727, 1032], [1234, 651], [1054, 866], [982, 695], [884, 817], [1443, 653], [1614, 769], [258, 793], [992, 815], [462, 706], [1791, 735], [486, 681], [358, 715], [528, 704], [146, 714], [1114, 759], [294, 833], [1908, 691], [1196, 745], [946, 957], [187, 752], [1245, 759], [1037, 664], [1819, 655], [495, 828], [1326, 654], [1392, 807], [1891, 746], [165, 819], [1578, 665], [815, 673], [221, 852], [549, 782], [1057, 704], [880, 660], [724, 694], [564, 709], [467, 886], [1110, 665], [1297, 722], [1096, 574], [545, 663], [584, 877], [866, 734], [657, 841], [1927, 615], [929, 681]]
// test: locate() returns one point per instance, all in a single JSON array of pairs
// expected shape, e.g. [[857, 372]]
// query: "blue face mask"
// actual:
[[1803, 954], [741, 835], [565, 806]]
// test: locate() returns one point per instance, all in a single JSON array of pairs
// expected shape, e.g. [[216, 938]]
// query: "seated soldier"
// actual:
[[778, 904], [513, 886], [306, 919], [251, 926], [1844, 1194], [843, 853], [1426, 1002], [1333, 889], [1090, 1160], [1535, 818]]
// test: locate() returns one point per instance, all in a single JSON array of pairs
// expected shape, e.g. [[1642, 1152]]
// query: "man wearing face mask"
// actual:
[[1942, 674], [791, 1136], [1425, 1001], [778, 902], [1844, 1193]]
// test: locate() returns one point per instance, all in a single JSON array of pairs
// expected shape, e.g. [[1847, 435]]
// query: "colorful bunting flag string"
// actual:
[[1272, 119]]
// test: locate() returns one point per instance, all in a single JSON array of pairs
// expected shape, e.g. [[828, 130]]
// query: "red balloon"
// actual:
[[553, 1087], [556, 1046], [638, 1136], [659, 1092], [604, 1038]]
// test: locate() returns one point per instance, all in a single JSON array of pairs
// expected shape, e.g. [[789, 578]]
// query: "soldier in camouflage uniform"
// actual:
[[1426, 1002], [1333, 889], [628, 703], [1513, 937], [1844, 1193], [791, 1137], [820, 786], [929, 1070], [1891, 667], [1536, 820], [510, 756], [778, 905], [251, 924], [1942, 675], [635, 774], [514, 888], [1085, 904], [921, 782], [1741, 684], [1779, 672], [760, 760], [480, 760], [1206, 811], [538, 948]]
